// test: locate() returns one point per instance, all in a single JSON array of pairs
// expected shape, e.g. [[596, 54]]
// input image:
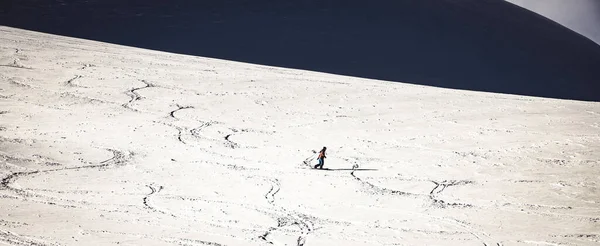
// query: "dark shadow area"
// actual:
[[480, 45]]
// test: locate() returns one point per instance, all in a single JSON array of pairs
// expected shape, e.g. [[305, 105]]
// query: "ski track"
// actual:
[[71, 83], [591, 237], [15, 239], [440, 187], [482, 237], [230, 143], [382, 190], [12, 224], [267, 211], [180, 131], [171, 240], [270, 198], [197, 132], [179, 107], [119, 159], [15, 64], [444, 184], [154, 189], [287, 218], [135, 96], [302, 222], [275, 188]]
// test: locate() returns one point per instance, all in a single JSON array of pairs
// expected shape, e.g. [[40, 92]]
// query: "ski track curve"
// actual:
[[71, 82], [440, 187], [179, 107], [286, 218], [171, 240], [119, 158], [230, 143], [275, 188], [382, 190], [154, 189], [135, 96], [14, 239]]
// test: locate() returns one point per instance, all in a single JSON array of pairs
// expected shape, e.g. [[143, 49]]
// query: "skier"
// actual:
[[321, 158]]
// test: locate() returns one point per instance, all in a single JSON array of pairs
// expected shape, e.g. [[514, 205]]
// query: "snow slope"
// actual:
[[103, 144]]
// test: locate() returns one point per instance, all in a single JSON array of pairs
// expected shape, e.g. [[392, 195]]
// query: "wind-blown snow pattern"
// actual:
[[103, 144]]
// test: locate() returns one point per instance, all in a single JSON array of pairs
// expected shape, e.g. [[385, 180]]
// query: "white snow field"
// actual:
[[103, 145]]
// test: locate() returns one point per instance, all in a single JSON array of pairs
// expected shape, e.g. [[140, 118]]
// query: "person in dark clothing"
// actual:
[[321, 158]]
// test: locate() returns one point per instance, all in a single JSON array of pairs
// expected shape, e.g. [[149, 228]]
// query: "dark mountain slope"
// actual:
[[481, 45]]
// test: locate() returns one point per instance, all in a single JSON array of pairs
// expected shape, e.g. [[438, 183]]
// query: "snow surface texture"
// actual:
[[103, 144]]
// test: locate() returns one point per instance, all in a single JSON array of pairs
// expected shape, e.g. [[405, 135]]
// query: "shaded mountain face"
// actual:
[[581, 16], [481, 45]]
